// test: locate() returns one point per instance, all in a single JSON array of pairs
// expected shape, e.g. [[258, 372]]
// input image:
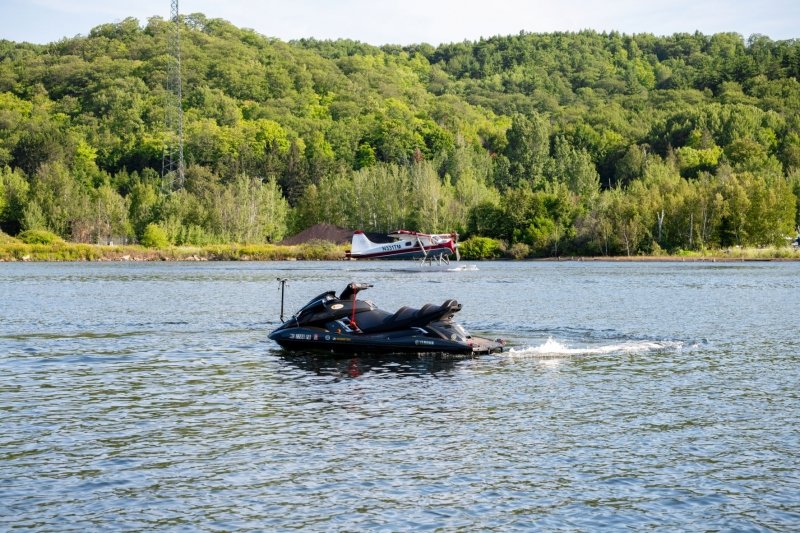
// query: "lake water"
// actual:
[[634, 395]]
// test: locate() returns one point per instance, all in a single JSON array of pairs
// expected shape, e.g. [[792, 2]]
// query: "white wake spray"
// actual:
[[553, 348]]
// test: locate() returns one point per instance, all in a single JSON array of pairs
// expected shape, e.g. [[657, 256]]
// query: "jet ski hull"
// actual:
[[321, 340]]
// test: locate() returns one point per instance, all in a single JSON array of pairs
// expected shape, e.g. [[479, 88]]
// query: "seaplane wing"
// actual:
[[405, 244]]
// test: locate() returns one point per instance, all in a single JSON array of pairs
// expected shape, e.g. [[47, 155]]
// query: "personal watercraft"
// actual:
[[344, 324]]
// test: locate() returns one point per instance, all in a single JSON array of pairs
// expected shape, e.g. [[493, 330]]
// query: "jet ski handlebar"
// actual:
[[352, 289]]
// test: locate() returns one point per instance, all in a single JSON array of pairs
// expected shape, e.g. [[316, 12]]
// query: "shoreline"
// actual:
[[722, 258], [323, 251]]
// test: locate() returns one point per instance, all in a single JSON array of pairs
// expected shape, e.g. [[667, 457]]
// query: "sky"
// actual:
[[413, 21]]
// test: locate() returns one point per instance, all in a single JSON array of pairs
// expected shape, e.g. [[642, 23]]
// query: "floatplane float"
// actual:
[[427, 249]]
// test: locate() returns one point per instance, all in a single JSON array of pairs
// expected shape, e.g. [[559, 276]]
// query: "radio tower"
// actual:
[[172, 163]]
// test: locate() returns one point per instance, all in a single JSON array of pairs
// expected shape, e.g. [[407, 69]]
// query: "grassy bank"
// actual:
[[747, 254], [14, 250], [769, 253]]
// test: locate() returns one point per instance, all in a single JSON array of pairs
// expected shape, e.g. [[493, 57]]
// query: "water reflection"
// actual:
[[372, 365]]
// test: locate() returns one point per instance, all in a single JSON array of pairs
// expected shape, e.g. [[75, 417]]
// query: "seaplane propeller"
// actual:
[[455, 245]]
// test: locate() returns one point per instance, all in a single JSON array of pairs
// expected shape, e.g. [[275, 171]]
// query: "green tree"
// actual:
[[429, 199], [252, 211], [487, 219], [629, 217], [574, 168], [528, 147], [13, 199], [378, 200], [737, 204], [772, 210], [154, 237], [110, 214], [365, 156], [143, 202], [58, 196]]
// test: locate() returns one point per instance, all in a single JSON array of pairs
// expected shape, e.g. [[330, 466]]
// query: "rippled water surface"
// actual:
[[634, 395]]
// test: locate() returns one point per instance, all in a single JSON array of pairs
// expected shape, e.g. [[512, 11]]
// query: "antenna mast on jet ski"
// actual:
[[282, 281]]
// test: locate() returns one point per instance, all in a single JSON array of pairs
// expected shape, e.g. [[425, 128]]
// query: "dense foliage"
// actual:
[[547, 143]]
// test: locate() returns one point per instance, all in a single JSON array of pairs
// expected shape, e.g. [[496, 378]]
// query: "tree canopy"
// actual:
[[595, 143]]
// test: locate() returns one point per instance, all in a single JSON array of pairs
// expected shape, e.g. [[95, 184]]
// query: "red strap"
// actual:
[[353, 324]]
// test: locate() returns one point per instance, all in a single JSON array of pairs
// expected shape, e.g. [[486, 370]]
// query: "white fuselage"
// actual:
[[407, 244]]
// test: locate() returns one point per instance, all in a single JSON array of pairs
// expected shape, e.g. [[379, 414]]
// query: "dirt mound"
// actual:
[[321, 232]]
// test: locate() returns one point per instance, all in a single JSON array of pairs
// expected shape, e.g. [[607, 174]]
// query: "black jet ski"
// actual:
[[344, 324]]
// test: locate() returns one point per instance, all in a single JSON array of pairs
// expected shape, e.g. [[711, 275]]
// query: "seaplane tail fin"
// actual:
[[359, 244]]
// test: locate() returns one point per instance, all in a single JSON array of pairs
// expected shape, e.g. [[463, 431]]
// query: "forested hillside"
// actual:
[[551, 143]]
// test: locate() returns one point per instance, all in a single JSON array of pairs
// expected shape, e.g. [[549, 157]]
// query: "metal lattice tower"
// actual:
[[172, 166]]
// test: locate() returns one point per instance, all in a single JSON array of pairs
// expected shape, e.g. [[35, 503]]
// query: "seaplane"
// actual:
[[426, 248]]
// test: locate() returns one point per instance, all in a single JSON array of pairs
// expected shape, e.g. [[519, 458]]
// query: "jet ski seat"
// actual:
[[408, 317]]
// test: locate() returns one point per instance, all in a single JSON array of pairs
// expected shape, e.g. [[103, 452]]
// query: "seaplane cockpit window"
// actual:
[[408, 243]]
